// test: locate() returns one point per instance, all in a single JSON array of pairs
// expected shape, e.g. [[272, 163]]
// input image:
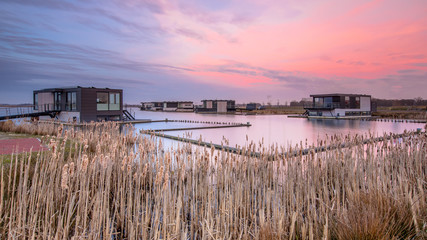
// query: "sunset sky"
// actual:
[[247, 50]]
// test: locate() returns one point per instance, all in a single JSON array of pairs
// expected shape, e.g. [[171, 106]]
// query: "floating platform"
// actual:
[[362, 118], [202, 127]]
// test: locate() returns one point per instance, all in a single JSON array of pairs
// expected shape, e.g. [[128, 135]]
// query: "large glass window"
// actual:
[[357, 102], [318, 102], [102, 101], [347, 101], [57, 100], [71, 103], [36, 101], [114, 101], [328, 102]]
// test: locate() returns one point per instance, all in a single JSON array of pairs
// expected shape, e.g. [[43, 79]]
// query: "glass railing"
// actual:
[[323, 105]]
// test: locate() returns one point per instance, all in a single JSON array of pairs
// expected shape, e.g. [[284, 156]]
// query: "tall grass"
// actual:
[[120, 185]]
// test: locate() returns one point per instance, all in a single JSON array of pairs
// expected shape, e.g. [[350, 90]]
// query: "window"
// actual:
[[318, 102], [347, 102], [36, 101], [102, 101], [357, 102], [71, 104], [328, 102], [57, 100], [114, 101]]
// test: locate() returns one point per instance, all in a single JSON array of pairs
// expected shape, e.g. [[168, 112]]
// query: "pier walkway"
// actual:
[[295, 153]]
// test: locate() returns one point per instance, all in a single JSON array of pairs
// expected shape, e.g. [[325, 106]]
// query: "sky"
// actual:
[[246, 50]]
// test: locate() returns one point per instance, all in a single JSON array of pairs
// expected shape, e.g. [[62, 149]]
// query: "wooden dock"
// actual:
[[295, 153], [205, 144], [202, 127]]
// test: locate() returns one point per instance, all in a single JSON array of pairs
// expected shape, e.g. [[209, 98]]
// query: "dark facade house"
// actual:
[[339, 105], [81, 104], [218, 106], [252, 106]]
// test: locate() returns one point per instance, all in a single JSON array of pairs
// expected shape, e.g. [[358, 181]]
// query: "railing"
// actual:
[[322, 106], [27, 109], [128, 116]]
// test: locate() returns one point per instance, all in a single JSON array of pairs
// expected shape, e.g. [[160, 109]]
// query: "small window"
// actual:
[[357, 102]]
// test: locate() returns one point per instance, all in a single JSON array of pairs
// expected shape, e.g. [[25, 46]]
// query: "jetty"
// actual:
[[295, 153]]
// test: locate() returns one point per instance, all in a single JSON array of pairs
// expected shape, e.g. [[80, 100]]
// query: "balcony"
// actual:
[[322, 106]]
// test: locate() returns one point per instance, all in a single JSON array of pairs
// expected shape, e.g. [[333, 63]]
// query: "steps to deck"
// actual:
[[128, 116]]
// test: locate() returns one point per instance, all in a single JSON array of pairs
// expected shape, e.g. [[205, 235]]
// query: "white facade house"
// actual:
[[217, 106]]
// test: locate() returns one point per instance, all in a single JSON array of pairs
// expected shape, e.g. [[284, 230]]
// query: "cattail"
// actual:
[[159, 176], [144, 171], [85, 162], [71, 169], [59, 132], [166, 181], [64, 180]]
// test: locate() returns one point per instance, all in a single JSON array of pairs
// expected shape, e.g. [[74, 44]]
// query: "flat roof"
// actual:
[[217, 100], [339, 94], [170, 102], [72, 87]]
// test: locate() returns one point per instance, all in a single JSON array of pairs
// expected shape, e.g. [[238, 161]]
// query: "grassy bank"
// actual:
[[283, 110], [418, 115], [119, 185]]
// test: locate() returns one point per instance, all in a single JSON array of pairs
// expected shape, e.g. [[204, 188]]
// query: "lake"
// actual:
[[271, 129]]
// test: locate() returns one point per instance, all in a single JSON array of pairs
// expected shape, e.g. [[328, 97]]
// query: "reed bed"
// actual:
[[123, 185]]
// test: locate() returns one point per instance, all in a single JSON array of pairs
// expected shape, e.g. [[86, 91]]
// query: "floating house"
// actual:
[[168, 106], [217, 106], [178, 106], [339, 105], [152, 106], [80, 104], [252, 106]]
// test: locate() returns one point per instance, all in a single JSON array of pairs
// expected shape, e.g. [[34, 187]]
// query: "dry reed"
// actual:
[[119, 185]]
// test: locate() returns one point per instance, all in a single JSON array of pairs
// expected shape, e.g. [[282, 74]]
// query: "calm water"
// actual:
[[272, 129]]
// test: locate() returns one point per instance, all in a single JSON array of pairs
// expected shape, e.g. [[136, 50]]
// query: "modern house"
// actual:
[[152, 106], [168, 106], [217, 106], [178, 106], [252, 106], [81, 104], [339, 105]]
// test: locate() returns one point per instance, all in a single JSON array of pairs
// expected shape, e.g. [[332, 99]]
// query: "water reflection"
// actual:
[[270, 129]]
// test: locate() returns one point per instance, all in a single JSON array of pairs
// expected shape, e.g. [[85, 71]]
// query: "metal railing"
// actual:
[[27, 109], [323, 106]]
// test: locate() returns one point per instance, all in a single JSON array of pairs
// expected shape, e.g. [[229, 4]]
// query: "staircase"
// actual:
[[128, 116]]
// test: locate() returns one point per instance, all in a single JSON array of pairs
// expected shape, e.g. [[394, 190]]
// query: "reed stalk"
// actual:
[[117, 184]]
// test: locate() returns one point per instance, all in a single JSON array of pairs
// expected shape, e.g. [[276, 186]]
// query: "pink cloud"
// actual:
[[331, 40]]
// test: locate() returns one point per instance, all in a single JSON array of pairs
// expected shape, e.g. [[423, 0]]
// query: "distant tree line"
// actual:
[[399, 102], [301, 103]]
